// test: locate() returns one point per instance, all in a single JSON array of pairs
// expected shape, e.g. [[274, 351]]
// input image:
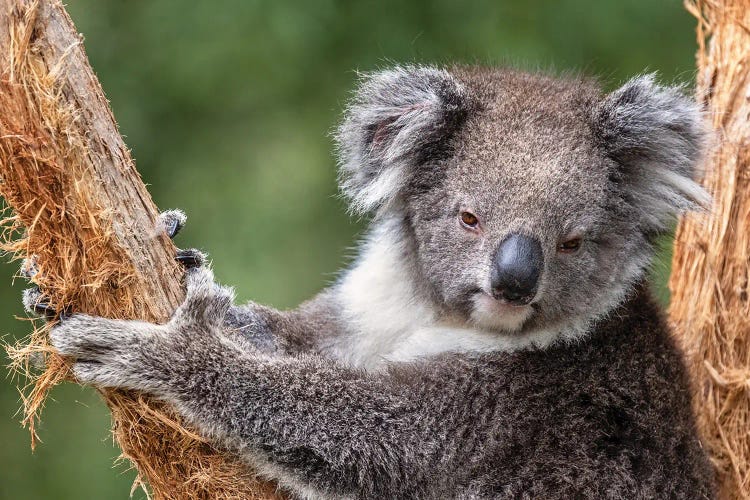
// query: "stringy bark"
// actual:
[[76, 204], [711, 265]]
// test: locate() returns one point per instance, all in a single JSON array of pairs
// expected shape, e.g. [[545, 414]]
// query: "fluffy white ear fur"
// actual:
[[394, 116], [658, 137]]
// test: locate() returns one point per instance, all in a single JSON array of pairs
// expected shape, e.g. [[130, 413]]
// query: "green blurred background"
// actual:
[[227, 106]]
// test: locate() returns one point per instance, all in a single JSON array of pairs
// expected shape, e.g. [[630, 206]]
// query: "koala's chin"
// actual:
[[492, 314]]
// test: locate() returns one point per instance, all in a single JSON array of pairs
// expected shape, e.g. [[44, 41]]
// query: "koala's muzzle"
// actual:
[[516, 268]]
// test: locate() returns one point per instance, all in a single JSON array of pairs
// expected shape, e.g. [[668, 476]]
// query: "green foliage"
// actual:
[[228, 105]]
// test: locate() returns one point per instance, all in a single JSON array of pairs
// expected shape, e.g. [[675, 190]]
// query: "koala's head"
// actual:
[[530, 202]]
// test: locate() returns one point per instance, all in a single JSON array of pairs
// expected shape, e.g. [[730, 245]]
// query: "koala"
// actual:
[[495, 337]]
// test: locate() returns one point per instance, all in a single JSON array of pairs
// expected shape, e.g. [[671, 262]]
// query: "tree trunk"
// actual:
[[711, 265], [83, 213]]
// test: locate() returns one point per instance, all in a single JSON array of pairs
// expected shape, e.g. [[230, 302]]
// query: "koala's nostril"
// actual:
[[516, 269], [510, 295]]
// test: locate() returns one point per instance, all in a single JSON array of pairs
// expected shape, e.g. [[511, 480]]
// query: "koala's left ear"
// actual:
[[657, 137], [397, 120]]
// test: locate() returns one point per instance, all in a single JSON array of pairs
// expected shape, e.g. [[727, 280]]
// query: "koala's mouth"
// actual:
[[491, 313]]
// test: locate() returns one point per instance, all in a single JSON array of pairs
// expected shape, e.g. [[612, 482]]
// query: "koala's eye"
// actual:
[[469, 220], [569, 246]]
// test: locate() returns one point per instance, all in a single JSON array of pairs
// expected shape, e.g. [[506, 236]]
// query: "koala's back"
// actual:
[[609, 417]]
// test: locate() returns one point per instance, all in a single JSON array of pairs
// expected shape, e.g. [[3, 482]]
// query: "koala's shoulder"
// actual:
[[631, 352]]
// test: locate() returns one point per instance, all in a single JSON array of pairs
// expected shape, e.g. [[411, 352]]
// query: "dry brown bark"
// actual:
[[80, 207], [711, 265]]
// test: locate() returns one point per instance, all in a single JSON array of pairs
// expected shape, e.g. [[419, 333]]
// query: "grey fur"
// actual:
[[405, 379], [656, 135], [395, 116], [30, 298]]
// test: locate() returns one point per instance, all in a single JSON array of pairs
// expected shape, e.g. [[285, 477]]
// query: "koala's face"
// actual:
[[521, 232], [532, 202]]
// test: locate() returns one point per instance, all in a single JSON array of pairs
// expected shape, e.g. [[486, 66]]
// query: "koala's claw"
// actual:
[[191, 258], [173, 221], [34, 302]]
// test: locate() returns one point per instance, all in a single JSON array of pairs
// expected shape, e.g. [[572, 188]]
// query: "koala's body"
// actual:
[[494, 339]]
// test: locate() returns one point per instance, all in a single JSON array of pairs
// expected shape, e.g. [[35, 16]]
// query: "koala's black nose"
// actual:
[[516, 269]]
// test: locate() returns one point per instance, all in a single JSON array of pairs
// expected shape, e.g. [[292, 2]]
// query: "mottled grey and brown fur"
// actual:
[[415, 376]]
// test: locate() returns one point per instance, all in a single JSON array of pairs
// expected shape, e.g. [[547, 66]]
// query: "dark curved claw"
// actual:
[[173, 228], [45, 310], [191, 258], [36, 303], [173, 221]]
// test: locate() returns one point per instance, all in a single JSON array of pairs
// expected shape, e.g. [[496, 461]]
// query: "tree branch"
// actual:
[[83, 213], [711, 263]]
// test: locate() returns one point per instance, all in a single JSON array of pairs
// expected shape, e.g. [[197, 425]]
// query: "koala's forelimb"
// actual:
[[342, 429]]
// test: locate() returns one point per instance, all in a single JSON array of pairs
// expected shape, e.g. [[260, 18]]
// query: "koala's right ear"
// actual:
[[396, 119]]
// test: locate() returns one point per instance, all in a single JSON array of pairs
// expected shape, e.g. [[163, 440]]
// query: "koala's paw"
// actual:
[[144, 356], [191, 258], [34, 301], [36, 304], [111, 353], [206, 302], [173, 221]]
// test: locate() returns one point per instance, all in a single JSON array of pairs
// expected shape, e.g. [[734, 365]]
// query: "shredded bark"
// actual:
[[711, 264], [78, 208]]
